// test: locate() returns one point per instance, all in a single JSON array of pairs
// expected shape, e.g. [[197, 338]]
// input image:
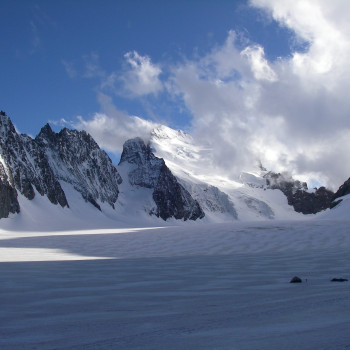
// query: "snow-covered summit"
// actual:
[[252, 195], [76, 158], [41, 165], [170, 177], [148, 171]]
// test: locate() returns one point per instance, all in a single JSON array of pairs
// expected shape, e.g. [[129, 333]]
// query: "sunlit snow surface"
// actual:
[[192, 286]]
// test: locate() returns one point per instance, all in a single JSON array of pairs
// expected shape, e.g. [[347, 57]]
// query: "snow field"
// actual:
[[215, 286]]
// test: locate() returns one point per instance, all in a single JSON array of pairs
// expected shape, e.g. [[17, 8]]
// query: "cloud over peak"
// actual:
[[141, 77], [291, 113]]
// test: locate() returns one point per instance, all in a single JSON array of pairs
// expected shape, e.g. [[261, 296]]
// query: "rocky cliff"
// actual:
[[343, 190], [25, 168], [31, 166], [77, 159], [302, 200], [171, 198]]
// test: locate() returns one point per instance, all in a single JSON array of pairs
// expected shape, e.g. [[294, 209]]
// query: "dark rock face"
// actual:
[[296, 279], [8, 195], [171, 198], [343, 190], [37, 165], [27, 166], [339, 280], [148, 166], [297, 195], [77, 159], [312, 203]]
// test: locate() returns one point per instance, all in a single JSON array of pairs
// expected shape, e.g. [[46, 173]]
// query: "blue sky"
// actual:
[[47, 46], [259, 79]]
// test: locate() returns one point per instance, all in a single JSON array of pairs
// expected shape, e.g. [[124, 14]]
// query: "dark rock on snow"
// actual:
[[339, 280], [38, 165], [170, 197], [77, 159], [29, 166], [297, 193], [26, 167], [343, 190], [8, 195], [296, 279]]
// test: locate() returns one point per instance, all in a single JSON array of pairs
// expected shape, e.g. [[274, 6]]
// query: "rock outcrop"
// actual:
[[171, 198], [26, 167], [8, 195], [76, 158], [298, 195], [39, 165], [343, 190]]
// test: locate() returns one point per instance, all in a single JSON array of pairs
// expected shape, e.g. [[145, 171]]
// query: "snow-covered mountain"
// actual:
[[255, 195], [24, 168], [146, 170], [75, 158], [40, 166], [167, 177]]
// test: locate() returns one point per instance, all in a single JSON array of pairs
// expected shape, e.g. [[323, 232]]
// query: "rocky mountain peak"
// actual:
[[135, 151], [343, 190], [77, 159], [149, 171], [27, 168], [39, 165], [46, 134], [6, 126], [298, 195], [163, 132]]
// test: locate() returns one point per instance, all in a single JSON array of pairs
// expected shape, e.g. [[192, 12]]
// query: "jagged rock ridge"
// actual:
[[77, 159], [297, 193], [343, 190], [170, 197], [45, 164], [25, 168], [8, 195], [38, 165]]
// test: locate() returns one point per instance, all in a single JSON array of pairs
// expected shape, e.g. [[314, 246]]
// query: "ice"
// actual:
[[195, 286], [76, 278]]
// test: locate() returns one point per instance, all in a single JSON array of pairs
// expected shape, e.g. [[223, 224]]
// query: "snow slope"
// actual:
[[41, 167], [213, 286], [79, 278], [248, 196], [193, 286]]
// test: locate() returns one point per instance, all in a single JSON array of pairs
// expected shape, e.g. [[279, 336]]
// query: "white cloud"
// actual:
[[70, 70], [291, 113], [112, 127], [259, 65], [142, 76], [92, 66], [322, 23]]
